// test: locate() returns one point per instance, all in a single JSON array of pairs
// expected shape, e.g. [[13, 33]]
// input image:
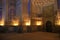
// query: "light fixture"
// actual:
[[28, 23], [15, 22], [58, 22], [38, 23], [2, 22]]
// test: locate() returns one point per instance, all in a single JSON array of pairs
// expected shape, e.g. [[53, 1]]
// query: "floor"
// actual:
[[29, 36]]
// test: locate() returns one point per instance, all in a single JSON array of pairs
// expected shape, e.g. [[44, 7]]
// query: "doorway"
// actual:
[[49, 26]]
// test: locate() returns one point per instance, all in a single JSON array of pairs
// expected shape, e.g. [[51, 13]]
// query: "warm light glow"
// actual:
[[2, 22], [38, 23], [58, 22], [15, 22], [28, 23]]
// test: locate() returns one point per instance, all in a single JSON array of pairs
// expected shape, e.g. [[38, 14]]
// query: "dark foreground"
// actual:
[[29, 36]]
